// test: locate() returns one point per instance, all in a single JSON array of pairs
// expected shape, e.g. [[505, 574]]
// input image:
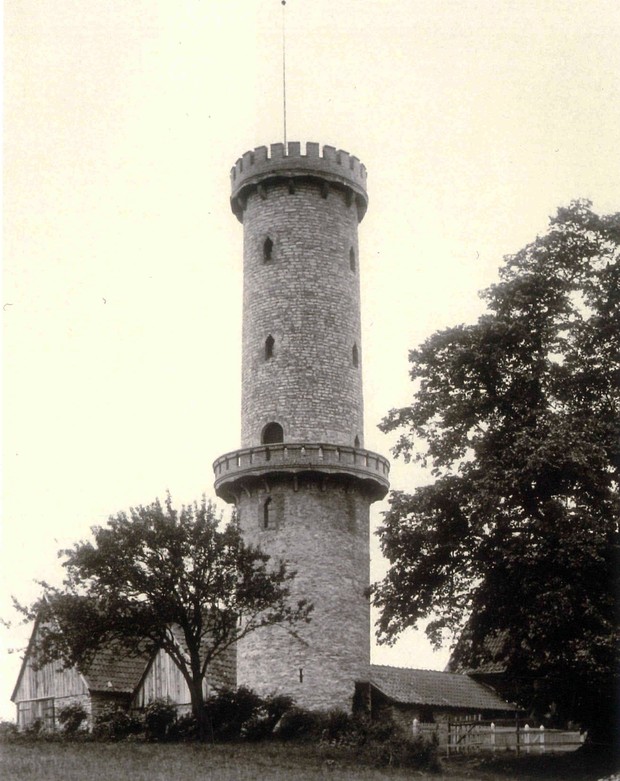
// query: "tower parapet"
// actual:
[[240, 470], [333, 167]]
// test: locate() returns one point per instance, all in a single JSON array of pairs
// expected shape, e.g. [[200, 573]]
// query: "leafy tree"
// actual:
[[155, 573], [517, 537]]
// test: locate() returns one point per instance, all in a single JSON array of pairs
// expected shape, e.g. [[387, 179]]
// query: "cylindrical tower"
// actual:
[[302, 482]]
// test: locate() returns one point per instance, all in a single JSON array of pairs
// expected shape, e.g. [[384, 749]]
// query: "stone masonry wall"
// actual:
[[307, 297], [322, 529]]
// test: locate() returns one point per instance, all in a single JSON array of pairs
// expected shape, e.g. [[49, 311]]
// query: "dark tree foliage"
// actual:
[[158, 577], [519, 415]]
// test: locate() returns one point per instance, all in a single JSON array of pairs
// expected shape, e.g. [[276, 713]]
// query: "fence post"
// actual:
[[542, 738], [493, 737], [526, 740], [415, 727]]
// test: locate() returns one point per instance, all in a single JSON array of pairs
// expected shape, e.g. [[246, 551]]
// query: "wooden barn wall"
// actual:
[[162, 681], [50, 680], [48, 709]]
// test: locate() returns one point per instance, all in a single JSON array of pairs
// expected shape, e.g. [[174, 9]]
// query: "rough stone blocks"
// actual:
[[321, 529], [306, 297]]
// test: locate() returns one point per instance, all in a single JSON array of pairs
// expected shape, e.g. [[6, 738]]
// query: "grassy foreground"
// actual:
[[66, 761]]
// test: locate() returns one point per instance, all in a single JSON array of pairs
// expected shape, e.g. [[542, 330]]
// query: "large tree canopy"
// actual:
[[158, 571], [519, 417]]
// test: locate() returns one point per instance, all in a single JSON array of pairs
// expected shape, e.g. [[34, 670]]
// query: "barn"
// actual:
[[42, 691]]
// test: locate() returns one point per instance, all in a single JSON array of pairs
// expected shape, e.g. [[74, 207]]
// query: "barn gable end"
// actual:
[[162, 679], [41, 691]]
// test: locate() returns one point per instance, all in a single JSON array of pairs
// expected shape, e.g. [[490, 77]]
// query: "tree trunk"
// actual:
[[198, 709]]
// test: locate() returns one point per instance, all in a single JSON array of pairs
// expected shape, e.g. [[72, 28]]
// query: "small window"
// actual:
[[267, 514], [357, 442], [352, 259], [355, 357], [267, 250], [269, 343], [272, 434]]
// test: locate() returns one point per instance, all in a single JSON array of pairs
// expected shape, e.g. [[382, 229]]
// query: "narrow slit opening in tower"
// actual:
[[267, 513], [269, 345], [355, 357], [267, 250], [356, 443], [352, 259]]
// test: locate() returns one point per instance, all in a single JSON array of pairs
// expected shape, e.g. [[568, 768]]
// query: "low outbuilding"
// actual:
[[431, 698]]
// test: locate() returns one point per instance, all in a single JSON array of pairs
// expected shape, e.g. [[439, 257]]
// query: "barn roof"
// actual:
[[222, 668], [494, 662], [109, 670], [432, 687], [112, 672]]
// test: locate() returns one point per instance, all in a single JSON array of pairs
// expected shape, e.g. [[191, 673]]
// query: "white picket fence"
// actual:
[[474, 736]]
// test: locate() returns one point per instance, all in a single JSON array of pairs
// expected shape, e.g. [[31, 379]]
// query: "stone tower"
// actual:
[[302, 481]]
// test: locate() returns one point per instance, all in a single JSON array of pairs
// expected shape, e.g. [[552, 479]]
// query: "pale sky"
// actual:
[[122, 259]]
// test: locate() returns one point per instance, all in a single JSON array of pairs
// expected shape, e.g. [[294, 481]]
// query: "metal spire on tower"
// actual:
[[284, 65]]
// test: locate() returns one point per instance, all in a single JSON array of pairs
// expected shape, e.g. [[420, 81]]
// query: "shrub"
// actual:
[[72, 717], [263, 721], [116, 723], [380, 729], [35, 728], [299, 724], [340, 727], [277, 705], [387, 744], [228, 711], [184, 728], [258, 726], [8, 730], [159, 716]]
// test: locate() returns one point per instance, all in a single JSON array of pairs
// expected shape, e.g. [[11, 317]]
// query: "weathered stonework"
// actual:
[[321, 528], [304, 496], [308, 300]]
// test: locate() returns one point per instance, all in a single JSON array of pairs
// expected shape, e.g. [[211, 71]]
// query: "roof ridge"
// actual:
[[416, 669]]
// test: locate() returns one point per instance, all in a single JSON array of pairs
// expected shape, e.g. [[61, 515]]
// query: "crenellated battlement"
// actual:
[[333, 166]]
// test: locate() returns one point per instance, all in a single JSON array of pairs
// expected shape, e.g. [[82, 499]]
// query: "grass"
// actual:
[[189, 762], [88, 761]]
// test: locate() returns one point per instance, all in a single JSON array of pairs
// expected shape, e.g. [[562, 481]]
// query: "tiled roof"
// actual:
[[112, 671], [432, 687], [494, 646], [222, 671], [109, 671], [115, 672], [493, 663]]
